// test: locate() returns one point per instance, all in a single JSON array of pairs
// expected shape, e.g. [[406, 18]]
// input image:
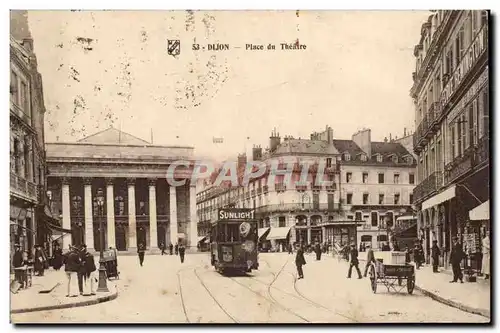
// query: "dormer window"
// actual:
[[363, 157], [379, 158], [409, 160], [347, 157], [394, 159]]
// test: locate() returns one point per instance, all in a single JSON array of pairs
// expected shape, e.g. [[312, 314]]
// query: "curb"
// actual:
[[466, 308], [98, 300]]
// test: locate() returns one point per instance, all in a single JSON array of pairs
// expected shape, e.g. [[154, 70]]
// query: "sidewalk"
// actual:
[[29, 300], [472, 297]]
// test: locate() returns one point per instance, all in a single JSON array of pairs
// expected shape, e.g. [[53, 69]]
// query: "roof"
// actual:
[[302, 146], [347, 146], [113, 136], [386, 148]]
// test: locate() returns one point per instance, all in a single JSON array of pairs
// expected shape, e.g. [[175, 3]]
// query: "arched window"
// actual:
[[76, 205]]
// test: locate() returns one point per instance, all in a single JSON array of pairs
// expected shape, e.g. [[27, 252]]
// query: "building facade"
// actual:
[[119, 181], [451, 141], [27, 154], [377, 181]]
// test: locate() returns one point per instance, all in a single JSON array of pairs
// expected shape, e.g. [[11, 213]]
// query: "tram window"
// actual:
[[229, 233]]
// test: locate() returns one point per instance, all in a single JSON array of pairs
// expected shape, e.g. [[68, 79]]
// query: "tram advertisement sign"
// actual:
[[236, 214]]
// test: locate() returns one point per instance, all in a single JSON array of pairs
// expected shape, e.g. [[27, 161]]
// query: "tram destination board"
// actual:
[[239, 214]]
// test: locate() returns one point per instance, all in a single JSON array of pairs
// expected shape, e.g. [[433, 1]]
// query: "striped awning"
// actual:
[[278, 233], [481, 212], [262, 231]]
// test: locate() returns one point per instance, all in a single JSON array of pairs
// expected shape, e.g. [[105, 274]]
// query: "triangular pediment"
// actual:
[[113, 136]]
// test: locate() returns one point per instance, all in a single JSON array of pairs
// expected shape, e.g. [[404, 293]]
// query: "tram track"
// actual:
[[181, 293]]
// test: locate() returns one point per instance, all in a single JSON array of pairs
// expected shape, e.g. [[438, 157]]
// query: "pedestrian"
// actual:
[[395, 246], [18, 262], [290, 250], [162, 247], [89, 273], [176, 248], [354, 262], [486, 257], [81, 271], [407, 256], [456, 256], [171, 248], [72, 267], [435, 256], [300, 261], [418, 255], [57, 257], [360, 247], [140, 252], [370, 257], [182, 252], [39, 260], [317, 249]]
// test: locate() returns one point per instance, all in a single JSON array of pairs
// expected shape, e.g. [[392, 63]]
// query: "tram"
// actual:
[[233, 240]]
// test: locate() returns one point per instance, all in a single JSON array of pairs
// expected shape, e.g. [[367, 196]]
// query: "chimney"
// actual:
[[385, 139], [390, 137], [242, 161], [256, 153], [364, 141], [330, 135], [404, 132], [274, 140]]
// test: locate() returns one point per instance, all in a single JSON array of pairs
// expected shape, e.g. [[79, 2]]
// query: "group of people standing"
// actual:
[[180, 250], [80, 269]]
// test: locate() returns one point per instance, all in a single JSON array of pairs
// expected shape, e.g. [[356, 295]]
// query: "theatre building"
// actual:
[[451, 97], [119, 181]]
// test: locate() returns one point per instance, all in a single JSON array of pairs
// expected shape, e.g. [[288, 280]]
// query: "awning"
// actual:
[[201, 238], [50, 221], [278, 233], [262, 231], [481, 212], [406, 218], [181, 235], [439, 198]]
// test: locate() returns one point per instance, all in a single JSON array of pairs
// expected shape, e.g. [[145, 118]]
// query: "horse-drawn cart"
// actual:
[[396, 276]]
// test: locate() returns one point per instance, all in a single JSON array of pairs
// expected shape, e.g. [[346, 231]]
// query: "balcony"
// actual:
[[301, 188], [429, 186], [23, 188], [265, 188], [460, 166], [259, 191], [280, 187], [331, 188], [252, 193], [482, 151], [298, 207]]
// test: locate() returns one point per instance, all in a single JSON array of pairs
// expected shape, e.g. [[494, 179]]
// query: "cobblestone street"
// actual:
[[164, 291]]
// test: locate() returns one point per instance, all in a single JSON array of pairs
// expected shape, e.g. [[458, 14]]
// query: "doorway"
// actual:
[[121, 238]]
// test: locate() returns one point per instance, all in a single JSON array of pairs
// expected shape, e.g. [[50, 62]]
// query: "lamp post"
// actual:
[[102, 286]]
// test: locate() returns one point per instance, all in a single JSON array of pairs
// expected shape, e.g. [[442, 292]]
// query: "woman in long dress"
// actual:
[[486, 256]]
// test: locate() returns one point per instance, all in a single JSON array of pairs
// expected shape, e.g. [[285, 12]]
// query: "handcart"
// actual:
[[395, 276], [111, 264]]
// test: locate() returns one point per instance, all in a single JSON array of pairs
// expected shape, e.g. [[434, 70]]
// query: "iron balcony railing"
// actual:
[[23, 187], [297, 207], [429, 186]]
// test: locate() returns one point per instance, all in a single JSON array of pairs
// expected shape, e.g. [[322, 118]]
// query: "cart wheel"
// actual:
[[410, 284], [400, 281], [373, 279]]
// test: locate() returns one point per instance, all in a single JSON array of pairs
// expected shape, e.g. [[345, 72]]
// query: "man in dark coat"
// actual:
[[39, 260], [81, 271], [354, 262], [456, 256], [140, 251], [300, 261], [171, 248], [290, 251], [176, 249], [418, 255], [17, 262], [57, 257], [370, 257], [435, 256], [89, 275], [317, 249], [72, 267], [395, 246], [162, 248], [182, 252]]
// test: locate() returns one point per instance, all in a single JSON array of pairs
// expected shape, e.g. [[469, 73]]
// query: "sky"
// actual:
[[112, 68]]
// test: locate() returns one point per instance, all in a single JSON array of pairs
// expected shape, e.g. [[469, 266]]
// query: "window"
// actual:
[[331, 203], [474, 122], [412, 178], [379, 158], [358, 216], [394, 159], [27, 163], [17, 161], [349, 198], [348, 177], [365, 177], [13, 87], [363, 157], [374, 219], [328, 162], [365, 198], [396, 178], [25, 98], [347, 157], [411, 198], [282, 222], [396, 199], [453, 147], [380, 199], [484, 120], [350, 217], [389, 219], [380, 178]]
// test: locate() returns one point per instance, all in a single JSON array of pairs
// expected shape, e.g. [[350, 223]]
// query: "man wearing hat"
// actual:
[[89, 275], [354, 262], [435, 252], [39, 260], [17, 261], [370, 257], [456, 256], [72, 267]]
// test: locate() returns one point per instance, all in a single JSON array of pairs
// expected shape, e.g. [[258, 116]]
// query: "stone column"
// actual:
[[110, 213], [132, 225], [323, 234], [89, 222], [173, 214], [153, 223], [66, 217], [308, 230], [193, 222]]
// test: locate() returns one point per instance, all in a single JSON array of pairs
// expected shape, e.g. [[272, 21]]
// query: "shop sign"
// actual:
[[476, 49], [469, 95]]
